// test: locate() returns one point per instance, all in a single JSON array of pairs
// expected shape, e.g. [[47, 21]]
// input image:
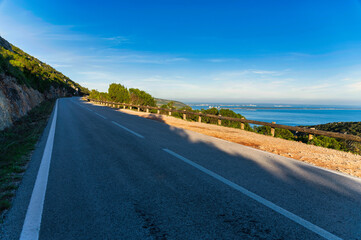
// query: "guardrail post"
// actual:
[[184, 116], [219, 120], [147, 109], [199, 118], [242, 124], [158, 111], [310, 136], [273, 130], [138, 108]]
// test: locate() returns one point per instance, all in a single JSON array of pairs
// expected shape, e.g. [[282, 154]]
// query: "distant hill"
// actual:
[[341, 127], [177, 104]]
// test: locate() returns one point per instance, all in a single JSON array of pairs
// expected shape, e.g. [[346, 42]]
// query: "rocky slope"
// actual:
[[15, 100], [26, 81]]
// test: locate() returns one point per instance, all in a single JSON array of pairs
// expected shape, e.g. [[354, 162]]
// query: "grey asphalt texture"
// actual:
[[107, 183]]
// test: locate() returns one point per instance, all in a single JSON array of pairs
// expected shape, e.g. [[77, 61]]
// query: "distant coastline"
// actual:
[[290, 114]]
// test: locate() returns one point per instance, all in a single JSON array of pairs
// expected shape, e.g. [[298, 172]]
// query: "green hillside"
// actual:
[[176, 104], [33, 72], [341, 127]]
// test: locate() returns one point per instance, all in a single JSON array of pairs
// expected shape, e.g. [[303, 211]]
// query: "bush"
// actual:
[[326, 142], [279, 132], [284, 133]]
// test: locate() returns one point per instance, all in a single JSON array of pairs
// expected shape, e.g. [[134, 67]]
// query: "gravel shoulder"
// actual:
[[322, 157]]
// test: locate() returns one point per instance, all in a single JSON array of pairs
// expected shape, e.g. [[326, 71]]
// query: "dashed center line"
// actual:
[[310, 226], [100, 115], [127, 129]]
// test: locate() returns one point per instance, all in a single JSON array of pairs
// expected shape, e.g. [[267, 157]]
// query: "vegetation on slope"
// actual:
[[119, 93], [353, 128], [176, 104], [322, 141], [16, 144], [341, 127], [34, 73]]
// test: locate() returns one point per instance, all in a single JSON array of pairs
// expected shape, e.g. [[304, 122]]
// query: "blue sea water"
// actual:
[[292, 115]]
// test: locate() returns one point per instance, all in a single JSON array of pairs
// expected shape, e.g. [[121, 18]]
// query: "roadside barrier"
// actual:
[[310, 131]]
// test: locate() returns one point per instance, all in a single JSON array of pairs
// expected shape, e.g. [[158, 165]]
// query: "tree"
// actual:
[[118, 93], [94, 94], [139, 97]]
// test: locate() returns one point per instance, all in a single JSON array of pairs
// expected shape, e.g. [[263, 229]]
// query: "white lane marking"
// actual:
[[127, 129], [33, 216], [100, 115], [84, 107], [284, 212]]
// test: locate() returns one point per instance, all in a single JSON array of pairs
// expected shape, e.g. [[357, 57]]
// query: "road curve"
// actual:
[[119, 176]]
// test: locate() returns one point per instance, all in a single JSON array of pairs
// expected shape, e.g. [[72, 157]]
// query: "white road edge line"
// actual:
[[32, 222], [100, 115], [310, 226], [127, 129]]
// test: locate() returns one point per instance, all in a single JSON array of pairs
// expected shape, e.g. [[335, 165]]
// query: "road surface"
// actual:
[[103, 174]]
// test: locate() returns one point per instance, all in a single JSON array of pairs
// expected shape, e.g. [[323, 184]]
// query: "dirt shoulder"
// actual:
[[323, 157]]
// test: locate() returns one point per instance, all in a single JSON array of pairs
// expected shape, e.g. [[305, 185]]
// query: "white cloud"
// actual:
[[355, 87]]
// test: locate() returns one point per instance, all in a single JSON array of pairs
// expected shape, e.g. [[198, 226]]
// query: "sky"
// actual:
[[305, 52]]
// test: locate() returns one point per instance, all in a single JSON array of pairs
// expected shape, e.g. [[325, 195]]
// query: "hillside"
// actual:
[[341, 127], [177, 104], [32, 72], [25, 81]]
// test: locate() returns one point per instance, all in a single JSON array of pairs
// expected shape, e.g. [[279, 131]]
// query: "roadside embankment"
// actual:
[[344, 162], [16, 145], [15, 100]]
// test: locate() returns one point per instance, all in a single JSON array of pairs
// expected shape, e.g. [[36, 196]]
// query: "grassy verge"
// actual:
[[16, 145]]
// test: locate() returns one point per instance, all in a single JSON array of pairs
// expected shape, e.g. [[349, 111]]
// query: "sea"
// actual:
[[290, 114]]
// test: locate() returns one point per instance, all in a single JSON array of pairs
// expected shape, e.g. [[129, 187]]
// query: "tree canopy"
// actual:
[[118, 93]]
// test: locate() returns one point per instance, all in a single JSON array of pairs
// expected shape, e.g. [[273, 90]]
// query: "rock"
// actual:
[[5, 44], [15, 100]]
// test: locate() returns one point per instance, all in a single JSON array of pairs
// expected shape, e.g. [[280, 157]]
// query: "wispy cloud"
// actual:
[[118, 40], [355, 87]]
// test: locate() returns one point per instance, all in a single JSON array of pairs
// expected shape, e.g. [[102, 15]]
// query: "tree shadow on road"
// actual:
[[288, 183]]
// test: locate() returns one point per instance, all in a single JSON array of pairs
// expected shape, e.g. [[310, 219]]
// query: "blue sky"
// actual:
[[198, 51]]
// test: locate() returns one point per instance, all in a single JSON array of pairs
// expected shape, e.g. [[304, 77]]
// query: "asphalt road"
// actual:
[[119, 176]]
